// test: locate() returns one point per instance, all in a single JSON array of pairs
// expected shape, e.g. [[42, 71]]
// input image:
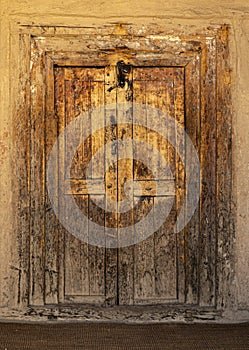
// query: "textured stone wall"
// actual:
[[93, 13]]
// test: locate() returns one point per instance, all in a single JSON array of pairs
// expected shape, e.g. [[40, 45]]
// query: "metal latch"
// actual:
[[123, 71]]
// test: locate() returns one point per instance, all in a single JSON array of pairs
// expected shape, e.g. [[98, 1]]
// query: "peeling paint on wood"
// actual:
[[176, 73]]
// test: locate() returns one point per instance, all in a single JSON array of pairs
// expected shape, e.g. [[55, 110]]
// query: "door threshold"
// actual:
[[123, 314]]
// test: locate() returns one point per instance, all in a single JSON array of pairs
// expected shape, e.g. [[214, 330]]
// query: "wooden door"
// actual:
[[67, 71], [150, 271]]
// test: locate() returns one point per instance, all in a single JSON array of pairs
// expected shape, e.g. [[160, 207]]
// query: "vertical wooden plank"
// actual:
[[153, 96], [83, 247], [60, 116], [165, 253], [144, 251], [208, 175], [83, 105], [51, 225], [192, 122], [73, 273], [21, 174], [97, 254], [225, 211], [139, 131], [37, 177], [165, 238], [111, 185], [80, 91], [98, 124], [76, 257], [180, 163], [125, 173], [77, 99], [144, 272]]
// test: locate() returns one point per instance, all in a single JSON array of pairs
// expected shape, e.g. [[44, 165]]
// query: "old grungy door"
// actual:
[[151, 271], [65, 71]]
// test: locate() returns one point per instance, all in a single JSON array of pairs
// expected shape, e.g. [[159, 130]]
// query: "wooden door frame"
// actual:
[[204, 54]]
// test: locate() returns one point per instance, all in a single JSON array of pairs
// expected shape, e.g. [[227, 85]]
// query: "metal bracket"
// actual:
[[123, 71]]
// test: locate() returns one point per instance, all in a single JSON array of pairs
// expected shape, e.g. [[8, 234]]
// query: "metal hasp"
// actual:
[[123, 71]]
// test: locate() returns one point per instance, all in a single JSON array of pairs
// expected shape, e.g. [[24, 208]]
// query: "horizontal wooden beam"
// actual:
[[147, 188], [152, 188]]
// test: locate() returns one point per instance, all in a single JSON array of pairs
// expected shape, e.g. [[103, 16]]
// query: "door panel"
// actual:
[[84, 265], [155, 259], [147, 272]]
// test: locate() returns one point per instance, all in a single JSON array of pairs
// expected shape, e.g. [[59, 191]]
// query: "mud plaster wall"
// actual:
[[89, 13]]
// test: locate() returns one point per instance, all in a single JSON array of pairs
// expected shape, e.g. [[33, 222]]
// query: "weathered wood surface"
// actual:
[[225, 297], [208, 237], [125, 173], [180, 77], [97, 266], [192, 230], [51, 223], [111, 176], [155, 257], [59, 108], [84, 264], [140, 187], [37, 178], [128, 314], [20, 263], [165, 267]]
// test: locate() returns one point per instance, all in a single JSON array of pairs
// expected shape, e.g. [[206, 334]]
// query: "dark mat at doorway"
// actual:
[[113, 336]]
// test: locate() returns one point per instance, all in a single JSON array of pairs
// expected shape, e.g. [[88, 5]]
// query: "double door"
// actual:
[[126, 182]]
